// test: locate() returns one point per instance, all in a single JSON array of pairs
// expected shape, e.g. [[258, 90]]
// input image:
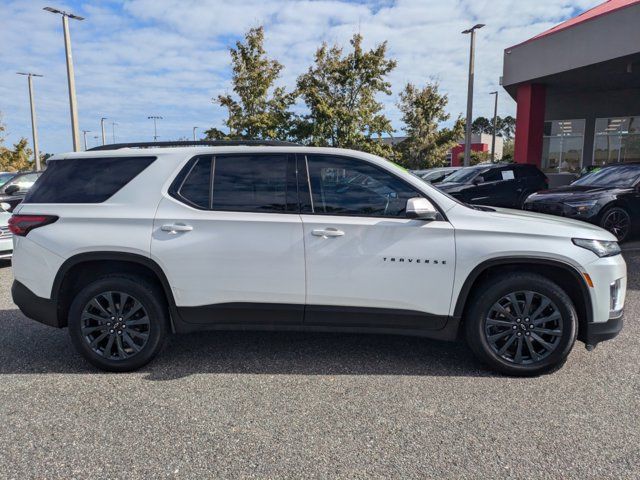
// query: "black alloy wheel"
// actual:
[[520, 324], [617, 221], [119, 322], [523, 327], [115, 325]]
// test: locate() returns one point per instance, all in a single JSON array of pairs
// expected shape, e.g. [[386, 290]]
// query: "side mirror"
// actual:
[[11, 189], [478, 180], [420, 208]]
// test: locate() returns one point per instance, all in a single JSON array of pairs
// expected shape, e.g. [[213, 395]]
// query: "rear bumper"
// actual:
[[599, 332], [36, 308]]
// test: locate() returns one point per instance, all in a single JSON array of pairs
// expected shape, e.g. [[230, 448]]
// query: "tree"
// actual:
[[423, 110], [505, 126], [259, 110], [476, 157], [18, 159], [340, 92], [482, 125]]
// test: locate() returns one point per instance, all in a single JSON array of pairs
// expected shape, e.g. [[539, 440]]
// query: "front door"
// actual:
[[367, 264], [228, 235]]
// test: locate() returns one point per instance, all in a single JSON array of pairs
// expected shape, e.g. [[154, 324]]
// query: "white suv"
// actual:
[[124, 244]]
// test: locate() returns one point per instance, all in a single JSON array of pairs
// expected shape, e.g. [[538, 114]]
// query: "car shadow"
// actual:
[[27, 347]]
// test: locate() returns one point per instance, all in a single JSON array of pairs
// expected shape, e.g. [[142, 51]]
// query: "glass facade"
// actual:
[[562, 146], [617, 140]]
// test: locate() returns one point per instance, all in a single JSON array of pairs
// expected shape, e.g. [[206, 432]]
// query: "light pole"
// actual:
[[84, 134], [113, 131], [34, 129], [73, 104], [194, 133], [495, 127], [472, 52], [155, 127], [104, 140]]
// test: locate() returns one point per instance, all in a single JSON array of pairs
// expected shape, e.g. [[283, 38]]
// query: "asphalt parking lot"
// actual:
[[283, 405]]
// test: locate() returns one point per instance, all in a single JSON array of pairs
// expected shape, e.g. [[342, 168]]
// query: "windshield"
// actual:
[[432, 175], [464, 175], [24, 182], [619, 176], [5, 177]]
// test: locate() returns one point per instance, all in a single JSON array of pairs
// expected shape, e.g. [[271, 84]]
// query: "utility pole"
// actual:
[[73, 104], [155, 127], [34, 128], [495, 127], [113, 131], [84, 134], [472, 53], [104, 140], [194, 133]]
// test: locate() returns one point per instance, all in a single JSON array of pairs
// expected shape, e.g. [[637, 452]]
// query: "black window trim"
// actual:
[[181, 177], [442, 217]]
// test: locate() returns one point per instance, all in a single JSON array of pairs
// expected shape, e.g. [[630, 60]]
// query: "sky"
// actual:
[[170, 58]]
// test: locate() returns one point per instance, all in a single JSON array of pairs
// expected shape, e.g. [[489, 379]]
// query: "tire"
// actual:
[[493, 320], [617, 221], [124, 345]]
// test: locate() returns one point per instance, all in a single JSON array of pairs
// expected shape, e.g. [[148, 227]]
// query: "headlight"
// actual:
[[602, 248], [583, 206]]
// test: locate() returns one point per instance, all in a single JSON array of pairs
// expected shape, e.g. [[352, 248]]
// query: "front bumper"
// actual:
[[36, 308], [599, 332]]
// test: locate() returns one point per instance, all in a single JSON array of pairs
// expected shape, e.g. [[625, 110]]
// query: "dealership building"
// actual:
[[577, 88]]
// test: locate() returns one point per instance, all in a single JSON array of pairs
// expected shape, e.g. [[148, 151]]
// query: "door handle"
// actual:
[[327, 232], [175, 228]]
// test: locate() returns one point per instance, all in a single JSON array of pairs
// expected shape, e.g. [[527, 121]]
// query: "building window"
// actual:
[[562, 146], [617, 140]]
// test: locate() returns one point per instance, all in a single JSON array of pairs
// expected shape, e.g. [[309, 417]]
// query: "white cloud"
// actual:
[[169, 57]]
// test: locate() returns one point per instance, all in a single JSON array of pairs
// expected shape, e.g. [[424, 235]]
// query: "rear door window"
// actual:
[[261, 183], [85, 180]]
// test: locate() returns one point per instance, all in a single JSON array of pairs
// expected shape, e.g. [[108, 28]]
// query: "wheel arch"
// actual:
[[73, 274], [567, 276]]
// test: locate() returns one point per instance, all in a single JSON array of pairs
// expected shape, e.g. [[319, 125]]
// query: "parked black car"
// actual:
[[14, 191], [497, 185], [609, 197]]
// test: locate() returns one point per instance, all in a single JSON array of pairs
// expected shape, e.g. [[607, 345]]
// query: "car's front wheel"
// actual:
[[118, 323], [523, 324], [617, 221]]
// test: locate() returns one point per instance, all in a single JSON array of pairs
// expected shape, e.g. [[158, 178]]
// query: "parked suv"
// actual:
[[500, 185], [123, 246]]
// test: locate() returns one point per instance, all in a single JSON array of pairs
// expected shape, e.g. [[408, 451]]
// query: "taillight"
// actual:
[[22, 224]]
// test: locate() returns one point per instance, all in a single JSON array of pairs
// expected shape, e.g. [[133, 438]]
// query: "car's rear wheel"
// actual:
[[617, 221], [118, 323], [523, 324]]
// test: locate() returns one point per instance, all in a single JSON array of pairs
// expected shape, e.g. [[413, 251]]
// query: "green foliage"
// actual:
[[426, 145], [505, 126], [508, 151], [340, 92], [258, 110], [18, 159], [476, 157]]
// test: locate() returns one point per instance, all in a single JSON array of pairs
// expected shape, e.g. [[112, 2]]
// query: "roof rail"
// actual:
[[200, 143]]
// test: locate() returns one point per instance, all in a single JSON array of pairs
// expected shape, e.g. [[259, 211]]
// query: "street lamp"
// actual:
[[34, 129], [472, 52], [495, 127], [155, 127], [73, 104], [104, 141], [113, 131], [194, 133], [84, 134]]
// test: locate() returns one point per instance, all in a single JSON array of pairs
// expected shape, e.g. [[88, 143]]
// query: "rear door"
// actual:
[[367, 264], [229, 237]]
